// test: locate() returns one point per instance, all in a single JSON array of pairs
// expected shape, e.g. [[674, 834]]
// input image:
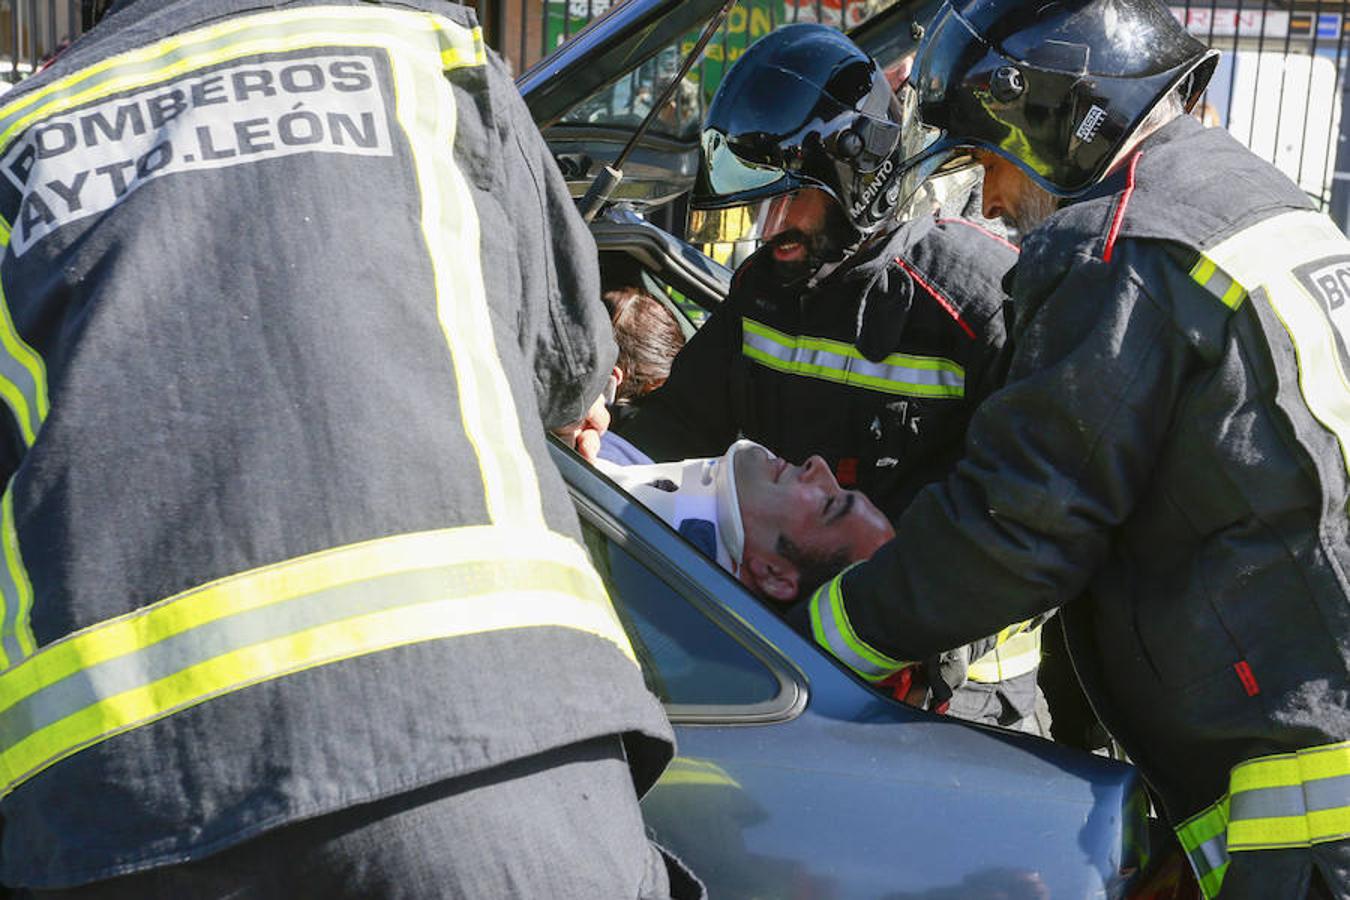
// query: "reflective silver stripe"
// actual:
[[425, 107], [840, 362], [1213, 279], [16, 592], [1296, 799], [1210, 855], [1204, 837], [269, 622], [1263, 259], [164, 658], [1291, 800], [23, 376]]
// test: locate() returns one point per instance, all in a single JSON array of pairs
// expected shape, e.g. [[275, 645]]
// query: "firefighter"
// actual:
[[293, 602], [850, 333], [1168, 458]]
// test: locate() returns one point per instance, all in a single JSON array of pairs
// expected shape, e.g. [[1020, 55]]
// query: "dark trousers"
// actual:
[[563, 825]]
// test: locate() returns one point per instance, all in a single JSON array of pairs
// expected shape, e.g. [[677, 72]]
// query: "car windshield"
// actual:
[[626, 103]]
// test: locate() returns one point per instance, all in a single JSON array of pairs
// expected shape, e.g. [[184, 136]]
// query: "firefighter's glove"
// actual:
[[883, 314], [953, 667]]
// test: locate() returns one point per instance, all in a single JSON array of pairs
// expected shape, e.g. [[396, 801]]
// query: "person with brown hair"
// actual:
[[648, 336]]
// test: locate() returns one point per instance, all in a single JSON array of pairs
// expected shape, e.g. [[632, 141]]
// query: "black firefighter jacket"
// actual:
[[877, 368], [1154, 464], [290, 293]]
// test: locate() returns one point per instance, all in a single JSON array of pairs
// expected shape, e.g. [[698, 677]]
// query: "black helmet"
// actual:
[[1057, 88], [805, 108]]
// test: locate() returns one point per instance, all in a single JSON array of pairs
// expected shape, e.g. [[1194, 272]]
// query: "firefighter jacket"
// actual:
[[877, 368], [1168, 459], [288, 291]]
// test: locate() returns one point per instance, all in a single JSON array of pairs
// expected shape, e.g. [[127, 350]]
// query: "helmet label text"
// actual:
[[1087, 129], [870, 192]]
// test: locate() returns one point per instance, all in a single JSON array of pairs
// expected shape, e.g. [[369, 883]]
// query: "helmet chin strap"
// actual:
[[826, 269]]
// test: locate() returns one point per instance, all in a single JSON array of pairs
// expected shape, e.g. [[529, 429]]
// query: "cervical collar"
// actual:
[[696, 497]]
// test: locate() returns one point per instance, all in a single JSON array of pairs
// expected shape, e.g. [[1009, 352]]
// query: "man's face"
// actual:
[[803, 230], [1011, 195], [801, 509]]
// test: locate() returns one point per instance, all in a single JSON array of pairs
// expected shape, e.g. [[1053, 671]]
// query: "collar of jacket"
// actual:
[[1182, 195], [1180, 128]]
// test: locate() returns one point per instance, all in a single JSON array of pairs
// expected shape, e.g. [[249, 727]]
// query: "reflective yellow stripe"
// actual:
[[1273, 802], [840, 362], [1202, 270], [16, 592], [1204, 838], [426, 109], [284, 618], [686, 771], [1290, 800], [1207, 275], [23, 376], [832, 630], [1018, 655], [1263, 259]]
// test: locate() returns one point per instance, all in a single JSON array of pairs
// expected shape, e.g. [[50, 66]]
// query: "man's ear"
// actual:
[[773, 577]]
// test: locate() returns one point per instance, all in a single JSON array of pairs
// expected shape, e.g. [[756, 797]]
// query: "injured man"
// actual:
[[782, 530]]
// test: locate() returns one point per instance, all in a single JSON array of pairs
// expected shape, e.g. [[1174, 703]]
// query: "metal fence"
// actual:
[[1281, 88], [33, 31]]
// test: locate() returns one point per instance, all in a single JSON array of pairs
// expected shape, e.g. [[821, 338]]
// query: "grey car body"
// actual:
[[794, 778]]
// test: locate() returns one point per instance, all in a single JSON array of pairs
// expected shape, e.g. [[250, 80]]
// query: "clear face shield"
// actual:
[[728, 174], [760, 220], [933, 165], [807, 228]]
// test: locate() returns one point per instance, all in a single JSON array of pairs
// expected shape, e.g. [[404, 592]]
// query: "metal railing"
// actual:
[[33, 31], [1280, 87]]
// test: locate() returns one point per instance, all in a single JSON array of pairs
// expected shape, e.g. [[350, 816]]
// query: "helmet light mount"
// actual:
[[1007, 84]]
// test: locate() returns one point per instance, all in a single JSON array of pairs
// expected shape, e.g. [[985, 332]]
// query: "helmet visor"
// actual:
[[966, 119], [726, 177], [751, 223], [809, 217]]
